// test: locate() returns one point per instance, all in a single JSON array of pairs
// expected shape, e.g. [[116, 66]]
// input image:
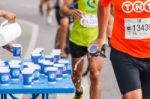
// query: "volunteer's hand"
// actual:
[[11, 17], [9, 46]]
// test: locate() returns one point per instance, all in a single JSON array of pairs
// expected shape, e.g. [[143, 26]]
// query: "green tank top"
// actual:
[[80, 35]]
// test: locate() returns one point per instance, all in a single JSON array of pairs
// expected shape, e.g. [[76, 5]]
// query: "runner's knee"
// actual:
[[94, 73], [64, 23]]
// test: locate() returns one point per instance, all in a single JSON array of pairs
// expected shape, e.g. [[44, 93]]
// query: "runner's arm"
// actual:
[[103, 17], [110, 26], [66, 11], [60, 2]]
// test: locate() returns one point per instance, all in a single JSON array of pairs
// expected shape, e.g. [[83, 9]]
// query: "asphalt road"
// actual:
[[37, 33]]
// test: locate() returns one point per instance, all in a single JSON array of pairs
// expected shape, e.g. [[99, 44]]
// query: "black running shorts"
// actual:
[[131, 73], [78, 51], [58, 16]]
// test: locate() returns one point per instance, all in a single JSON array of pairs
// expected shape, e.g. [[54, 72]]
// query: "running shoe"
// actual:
[[78, 94], [49, 19], [41, 10]]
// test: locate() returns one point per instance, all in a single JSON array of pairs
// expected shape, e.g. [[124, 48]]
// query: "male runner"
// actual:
[[130, 42], [81, 36]]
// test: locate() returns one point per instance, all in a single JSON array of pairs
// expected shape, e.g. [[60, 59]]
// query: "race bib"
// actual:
[[89, 21], [137, 28]]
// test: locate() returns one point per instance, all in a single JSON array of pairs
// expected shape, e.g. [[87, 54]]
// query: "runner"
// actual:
[[63, 30], [81, 36], [108, 34], [130, 42], [48, 8]]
